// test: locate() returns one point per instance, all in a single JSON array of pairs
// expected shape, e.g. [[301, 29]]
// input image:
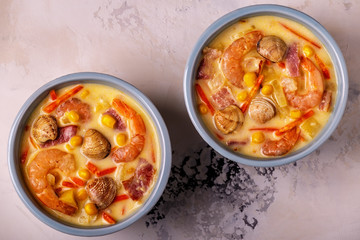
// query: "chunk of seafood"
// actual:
[[38, 169], [207, 66], [95, 145], [137, 128], [223, 98], [272, 48], [75, 104], [101, 191], [232, 57], [138, 184], [45, 128], [283, 145], [261, 110], [228, 119], [314, 87]]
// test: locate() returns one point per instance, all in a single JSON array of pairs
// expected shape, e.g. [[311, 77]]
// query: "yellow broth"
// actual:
[[99, 97], [273, 73]]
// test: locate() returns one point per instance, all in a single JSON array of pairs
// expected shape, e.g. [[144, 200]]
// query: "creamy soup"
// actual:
[[265, 86], [90, 154]]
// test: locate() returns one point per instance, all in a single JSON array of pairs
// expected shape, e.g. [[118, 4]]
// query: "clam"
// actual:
[[101, 191], [228, 119], [45, 128], [272, 48], [261, 110], [95, 145]]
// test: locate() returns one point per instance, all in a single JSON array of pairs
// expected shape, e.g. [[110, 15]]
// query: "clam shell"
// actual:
[[228, 119], [101, 191], [95, 145], [45, 128], [261, 110], [272, 48]]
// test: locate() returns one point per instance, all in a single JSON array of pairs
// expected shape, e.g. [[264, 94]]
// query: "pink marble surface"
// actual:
[[147, 43]]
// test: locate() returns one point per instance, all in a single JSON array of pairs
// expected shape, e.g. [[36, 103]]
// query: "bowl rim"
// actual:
[[128, 89], [260, 10]]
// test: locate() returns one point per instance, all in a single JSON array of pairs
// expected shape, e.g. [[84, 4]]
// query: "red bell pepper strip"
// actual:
[[53, 105], [106, 171], [299, 35], [53, 95], [121, 197], [78, 181], [203, 97], [322, 66], [69, 184], [92, 168], [108, 218], [252, 93], [295, 123]]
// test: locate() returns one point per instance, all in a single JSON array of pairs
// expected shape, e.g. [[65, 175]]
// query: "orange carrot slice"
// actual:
[[53, 105], [299, 35], [105, 171], [295, 123], [203, 97], [108, 218], [252, 93], [324, 69], [68, 184], [92, 168], [265, 129], [121, 197], [78, 181], [53, 95]]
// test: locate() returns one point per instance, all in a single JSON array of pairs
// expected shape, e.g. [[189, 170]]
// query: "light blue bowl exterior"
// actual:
[[260, 10], [14, 155]]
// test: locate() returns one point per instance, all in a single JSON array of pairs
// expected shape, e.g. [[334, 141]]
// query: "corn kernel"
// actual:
[[72, 116], [203, 109], [81, 194], [90, 209], [84, 174], [250, 79], [98, 107], [295, 114], [76, 141], [84, 93], [267, 89], [308, 51], [68, 147], [258, 137], [121, 139], [242, 96], [108, 121]]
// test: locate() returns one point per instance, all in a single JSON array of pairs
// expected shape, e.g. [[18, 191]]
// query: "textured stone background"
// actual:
[[147, 44]]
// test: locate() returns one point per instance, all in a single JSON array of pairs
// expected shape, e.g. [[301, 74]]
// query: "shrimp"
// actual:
[[137, 129], [313, 83], [231, 63], [283, 145], [38, 169]]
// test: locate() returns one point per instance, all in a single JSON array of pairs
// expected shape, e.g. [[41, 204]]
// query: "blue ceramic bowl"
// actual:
[[260, 10], [14, 154]]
